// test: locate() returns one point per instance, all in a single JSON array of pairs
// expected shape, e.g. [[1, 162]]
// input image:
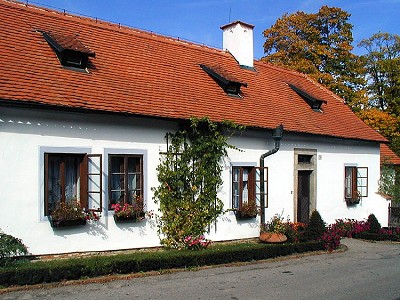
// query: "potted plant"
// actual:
[[247, 210], [69, 214], [273, 231], [129, 212]]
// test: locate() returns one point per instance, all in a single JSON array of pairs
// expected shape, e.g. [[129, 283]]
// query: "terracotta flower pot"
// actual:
[[272, 237]]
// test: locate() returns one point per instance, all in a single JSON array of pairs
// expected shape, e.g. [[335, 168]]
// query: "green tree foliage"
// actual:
[[190, 175], [374, 225], [316, 226], [389, 183], [382, 71], [319, 45], [382, 66]]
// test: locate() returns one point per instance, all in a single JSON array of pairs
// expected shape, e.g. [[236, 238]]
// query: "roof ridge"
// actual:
[[115, 26]]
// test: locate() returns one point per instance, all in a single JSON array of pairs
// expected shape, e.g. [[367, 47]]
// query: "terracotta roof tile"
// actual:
[[388, 156], [70, 42], [140, 73]]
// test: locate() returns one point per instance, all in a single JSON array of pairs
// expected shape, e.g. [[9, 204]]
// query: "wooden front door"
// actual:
[[303, 196]]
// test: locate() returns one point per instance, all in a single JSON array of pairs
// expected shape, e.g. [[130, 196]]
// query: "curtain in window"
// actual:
[[71, 178], [117, 180], [348, 182], [245, 192], [54, 182], [236, 174]]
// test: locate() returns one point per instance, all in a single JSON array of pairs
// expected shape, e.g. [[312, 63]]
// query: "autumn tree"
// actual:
[[382, 66], [383, 122], [319, 45], [382, 71]]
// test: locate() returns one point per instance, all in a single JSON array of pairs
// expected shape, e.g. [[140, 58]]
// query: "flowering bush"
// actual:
[[276, 225], [196, 243], [331, 238], [390, 231], [350, 227], [294, 231], [72, 210]]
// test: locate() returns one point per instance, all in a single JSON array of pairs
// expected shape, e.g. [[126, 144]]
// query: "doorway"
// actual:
[[303, 196], [305, 184]]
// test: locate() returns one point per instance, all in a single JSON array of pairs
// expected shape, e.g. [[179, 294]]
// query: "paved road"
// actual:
[[366, 271]]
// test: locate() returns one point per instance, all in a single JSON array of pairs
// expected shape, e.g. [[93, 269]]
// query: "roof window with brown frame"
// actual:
[[71, 52], [313, 102], [230, 87]]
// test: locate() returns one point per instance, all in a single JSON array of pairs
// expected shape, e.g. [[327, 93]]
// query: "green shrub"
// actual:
[[58, 270], [316, 227], [374, 225], [10, 247], [378, 237]]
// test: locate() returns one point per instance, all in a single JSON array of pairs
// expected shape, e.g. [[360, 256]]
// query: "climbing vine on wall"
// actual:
[[190, 175]]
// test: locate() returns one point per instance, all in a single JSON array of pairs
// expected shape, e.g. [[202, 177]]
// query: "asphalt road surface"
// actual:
[[366, 270]]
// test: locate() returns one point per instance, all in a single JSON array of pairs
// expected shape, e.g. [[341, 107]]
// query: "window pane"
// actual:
[[362, 191], [54, 182], [117, 165], [235, 198], [116, 197], [362, 172], [63, 179], [236, 172], [125, 178], [133, 164], [71, 178], [348, 182], [117, 182], [94, 164]]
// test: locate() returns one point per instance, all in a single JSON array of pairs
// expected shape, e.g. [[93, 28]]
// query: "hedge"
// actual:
[[37, 272], [377, 236]]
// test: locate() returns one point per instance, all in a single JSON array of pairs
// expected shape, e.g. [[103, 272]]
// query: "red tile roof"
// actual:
[[140, 73], [70, 43], [388, 157]]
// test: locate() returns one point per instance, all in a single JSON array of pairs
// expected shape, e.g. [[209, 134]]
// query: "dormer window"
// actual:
[[70, 51], [230, 86], [313, 102]]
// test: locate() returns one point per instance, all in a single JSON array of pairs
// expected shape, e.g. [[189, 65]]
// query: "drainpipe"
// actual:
[[277, 135]]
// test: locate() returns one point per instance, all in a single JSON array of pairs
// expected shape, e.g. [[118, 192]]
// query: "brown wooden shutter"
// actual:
[[354, 183]]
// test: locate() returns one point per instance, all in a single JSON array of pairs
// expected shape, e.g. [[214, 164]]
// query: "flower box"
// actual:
[[126, 219], [66, 223], [240, 215], [354, 201]]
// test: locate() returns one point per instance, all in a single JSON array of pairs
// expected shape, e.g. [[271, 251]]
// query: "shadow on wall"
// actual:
[[83, 125]]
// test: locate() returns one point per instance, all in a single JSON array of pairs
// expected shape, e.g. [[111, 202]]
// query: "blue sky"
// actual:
[[200, 20]]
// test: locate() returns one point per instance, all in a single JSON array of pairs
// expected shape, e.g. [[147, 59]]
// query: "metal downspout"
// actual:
[[277, 135]]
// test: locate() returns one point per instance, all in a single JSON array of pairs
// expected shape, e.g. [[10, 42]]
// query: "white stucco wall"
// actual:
[[26, 135]]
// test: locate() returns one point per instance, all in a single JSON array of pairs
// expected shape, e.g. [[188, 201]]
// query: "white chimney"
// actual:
[[238, 40]]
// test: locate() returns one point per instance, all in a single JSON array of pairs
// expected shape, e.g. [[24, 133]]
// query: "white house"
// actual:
[[83, 102]]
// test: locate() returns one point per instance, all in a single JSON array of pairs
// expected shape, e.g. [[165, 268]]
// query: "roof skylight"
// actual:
[[70, 51], [313, 102], [231, 87]]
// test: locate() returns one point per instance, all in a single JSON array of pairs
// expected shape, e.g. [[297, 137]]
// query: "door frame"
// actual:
[[309, 165]]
